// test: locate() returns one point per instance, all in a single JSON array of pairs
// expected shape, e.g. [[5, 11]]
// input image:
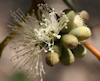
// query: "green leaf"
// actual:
[[71, 5]]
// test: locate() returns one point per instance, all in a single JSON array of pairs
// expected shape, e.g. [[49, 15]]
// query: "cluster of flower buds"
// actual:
[[70, 45]]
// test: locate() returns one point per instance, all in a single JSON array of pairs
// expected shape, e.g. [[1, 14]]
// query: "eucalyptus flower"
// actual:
[[34, 36]]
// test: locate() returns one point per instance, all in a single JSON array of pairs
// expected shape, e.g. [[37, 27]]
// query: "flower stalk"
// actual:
[[92, 49]]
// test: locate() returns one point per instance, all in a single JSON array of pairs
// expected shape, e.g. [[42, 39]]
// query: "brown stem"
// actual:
[[35, 3], [92, 49]]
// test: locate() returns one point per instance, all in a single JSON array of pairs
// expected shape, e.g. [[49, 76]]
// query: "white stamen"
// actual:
[[30, 37]]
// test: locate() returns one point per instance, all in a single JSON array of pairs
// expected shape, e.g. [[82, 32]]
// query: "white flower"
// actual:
[[33, 36]]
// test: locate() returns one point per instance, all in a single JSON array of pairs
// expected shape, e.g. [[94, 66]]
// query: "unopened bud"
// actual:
[[52, 58], [67, 57], [82, 33], [69, 41], [84, 14], [79, 51]]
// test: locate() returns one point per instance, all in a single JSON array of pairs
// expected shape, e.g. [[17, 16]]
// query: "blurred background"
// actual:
[[85, 69]]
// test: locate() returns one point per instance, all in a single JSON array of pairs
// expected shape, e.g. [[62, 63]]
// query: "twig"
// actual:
[[92, 49]]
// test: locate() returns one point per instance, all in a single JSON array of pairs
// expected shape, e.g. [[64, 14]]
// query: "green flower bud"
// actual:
[[82, 33], [70, 14], [67, 57], [85, 16], [57, 48], [79, 51], [82, 42], [69, 41], [78, 21], [52, 58]]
